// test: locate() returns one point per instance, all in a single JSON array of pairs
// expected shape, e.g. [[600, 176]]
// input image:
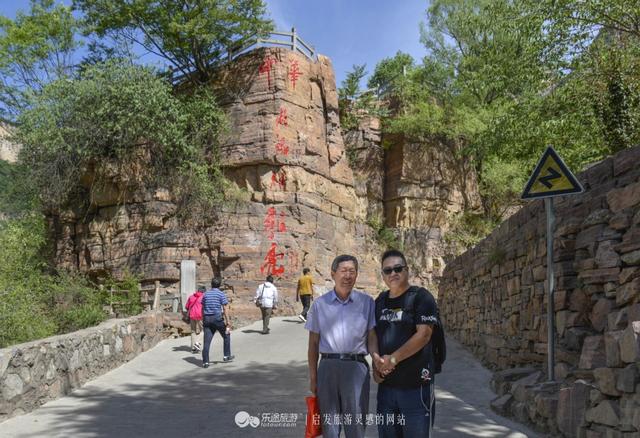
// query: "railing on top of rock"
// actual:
[[292, 40]]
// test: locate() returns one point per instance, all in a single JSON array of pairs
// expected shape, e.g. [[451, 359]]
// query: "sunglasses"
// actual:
[[397, 269]]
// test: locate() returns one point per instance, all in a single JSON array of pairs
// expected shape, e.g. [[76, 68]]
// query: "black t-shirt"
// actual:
[[395, 327]]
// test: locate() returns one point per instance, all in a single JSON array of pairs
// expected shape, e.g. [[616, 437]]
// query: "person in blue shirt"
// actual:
[[215, 313]]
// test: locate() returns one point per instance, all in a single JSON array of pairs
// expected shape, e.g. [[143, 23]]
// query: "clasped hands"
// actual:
[[382, 366]]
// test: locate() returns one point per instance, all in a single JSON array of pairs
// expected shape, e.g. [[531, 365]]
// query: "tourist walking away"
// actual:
[[304, 292], [406, 317], [215, 311], [194, 309], [267, 299], [341, 333]]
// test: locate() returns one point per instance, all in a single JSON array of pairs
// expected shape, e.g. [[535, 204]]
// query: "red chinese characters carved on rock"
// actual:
[[282, 228], [282, 119], [279, 178], [294, 72], [281, 146], [270, 265], [267, 65], [270, 223], [273, 223], [292, 259]]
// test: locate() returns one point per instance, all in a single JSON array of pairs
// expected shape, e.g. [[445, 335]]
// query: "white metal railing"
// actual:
[[291, 40]]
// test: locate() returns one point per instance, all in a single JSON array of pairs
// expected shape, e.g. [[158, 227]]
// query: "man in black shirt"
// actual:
[[405, 318]]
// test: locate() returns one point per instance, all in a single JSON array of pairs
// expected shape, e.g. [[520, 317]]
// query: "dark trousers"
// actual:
[[212, 324], [407, 412], [306, 303]]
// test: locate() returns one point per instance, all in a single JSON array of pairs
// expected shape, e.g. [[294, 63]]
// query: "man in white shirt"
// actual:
[[267, 298]]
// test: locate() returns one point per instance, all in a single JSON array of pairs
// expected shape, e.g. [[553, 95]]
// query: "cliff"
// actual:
[[307, 196]]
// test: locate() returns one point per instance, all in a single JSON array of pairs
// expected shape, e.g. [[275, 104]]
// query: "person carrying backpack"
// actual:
[[194, 308], [406, 323]]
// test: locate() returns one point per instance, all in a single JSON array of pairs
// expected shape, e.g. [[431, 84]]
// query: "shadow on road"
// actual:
[[207, 401]]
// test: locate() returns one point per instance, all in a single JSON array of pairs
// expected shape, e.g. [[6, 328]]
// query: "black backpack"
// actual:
[[438, 344]]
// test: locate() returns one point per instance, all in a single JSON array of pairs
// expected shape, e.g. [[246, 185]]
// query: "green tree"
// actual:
[[35, 49], [192, 35], [390, 78], [351, 107], [504, 79]]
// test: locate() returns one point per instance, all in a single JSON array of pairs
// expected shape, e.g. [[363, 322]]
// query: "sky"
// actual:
[[354, 31], [349, 32]]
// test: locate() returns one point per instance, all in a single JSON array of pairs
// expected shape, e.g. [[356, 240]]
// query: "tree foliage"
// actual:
[[356, 104], [505, 79], [35, 49], [112, 119], [192, 35]]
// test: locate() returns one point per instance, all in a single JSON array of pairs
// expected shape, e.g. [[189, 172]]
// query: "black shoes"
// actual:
[[228, 358], [205, 365]]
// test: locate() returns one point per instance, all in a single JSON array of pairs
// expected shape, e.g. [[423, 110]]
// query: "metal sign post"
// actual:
[[550, 178], [551, 328]]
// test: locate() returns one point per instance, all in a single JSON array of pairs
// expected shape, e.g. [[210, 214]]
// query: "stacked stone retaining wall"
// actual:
[[36, 372], [493, 298]]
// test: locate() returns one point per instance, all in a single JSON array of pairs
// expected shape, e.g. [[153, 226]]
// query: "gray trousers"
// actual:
[[343, 397], [266, 315]]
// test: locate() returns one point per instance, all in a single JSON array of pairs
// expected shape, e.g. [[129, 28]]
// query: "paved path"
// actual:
[[165, 393]]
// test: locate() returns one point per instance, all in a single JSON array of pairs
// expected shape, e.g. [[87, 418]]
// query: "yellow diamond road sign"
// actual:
[[551, 177]]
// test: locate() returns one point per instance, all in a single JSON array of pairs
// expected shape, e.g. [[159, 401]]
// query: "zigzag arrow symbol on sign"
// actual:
[[553, 174]]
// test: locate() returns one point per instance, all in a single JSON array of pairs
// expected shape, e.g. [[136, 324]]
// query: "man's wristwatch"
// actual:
[[393, 360]]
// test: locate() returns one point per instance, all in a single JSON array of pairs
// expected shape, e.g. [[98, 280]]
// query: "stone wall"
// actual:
[[36, 372], [493, 299]]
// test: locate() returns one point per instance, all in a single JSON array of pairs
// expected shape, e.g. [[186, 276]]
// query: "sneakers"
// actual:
[[196, 347], [302, 318], [205, 365], [228, 358]]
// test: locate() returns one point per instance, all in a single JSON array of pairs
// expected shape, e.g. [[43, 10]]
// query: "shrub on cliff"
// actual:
[[120, 125]]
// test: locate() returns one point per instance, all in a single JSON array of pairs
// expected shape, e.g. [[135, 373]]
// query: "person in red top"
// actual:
[[194, 307]]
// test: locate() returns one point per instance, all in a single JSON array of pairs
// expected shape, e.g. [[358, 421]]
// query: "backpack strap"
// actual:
[[380, 301], [410, 301]]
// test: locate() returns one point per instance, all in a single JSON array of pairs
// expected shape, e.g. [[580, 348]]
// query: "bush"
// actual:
[[126, 298], [467, 229], [121, 123], [22, 312], [74, 303], [384, 236], [36, 302]]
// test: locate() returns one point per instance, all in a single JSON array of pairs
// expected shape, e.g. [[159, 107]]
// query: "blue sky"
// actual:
[[347, 31], [354, 31]]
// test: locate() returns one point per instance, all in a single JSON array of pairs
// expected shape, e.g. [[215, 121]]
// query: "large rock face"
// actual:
[[306, 197], [285, 149]]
